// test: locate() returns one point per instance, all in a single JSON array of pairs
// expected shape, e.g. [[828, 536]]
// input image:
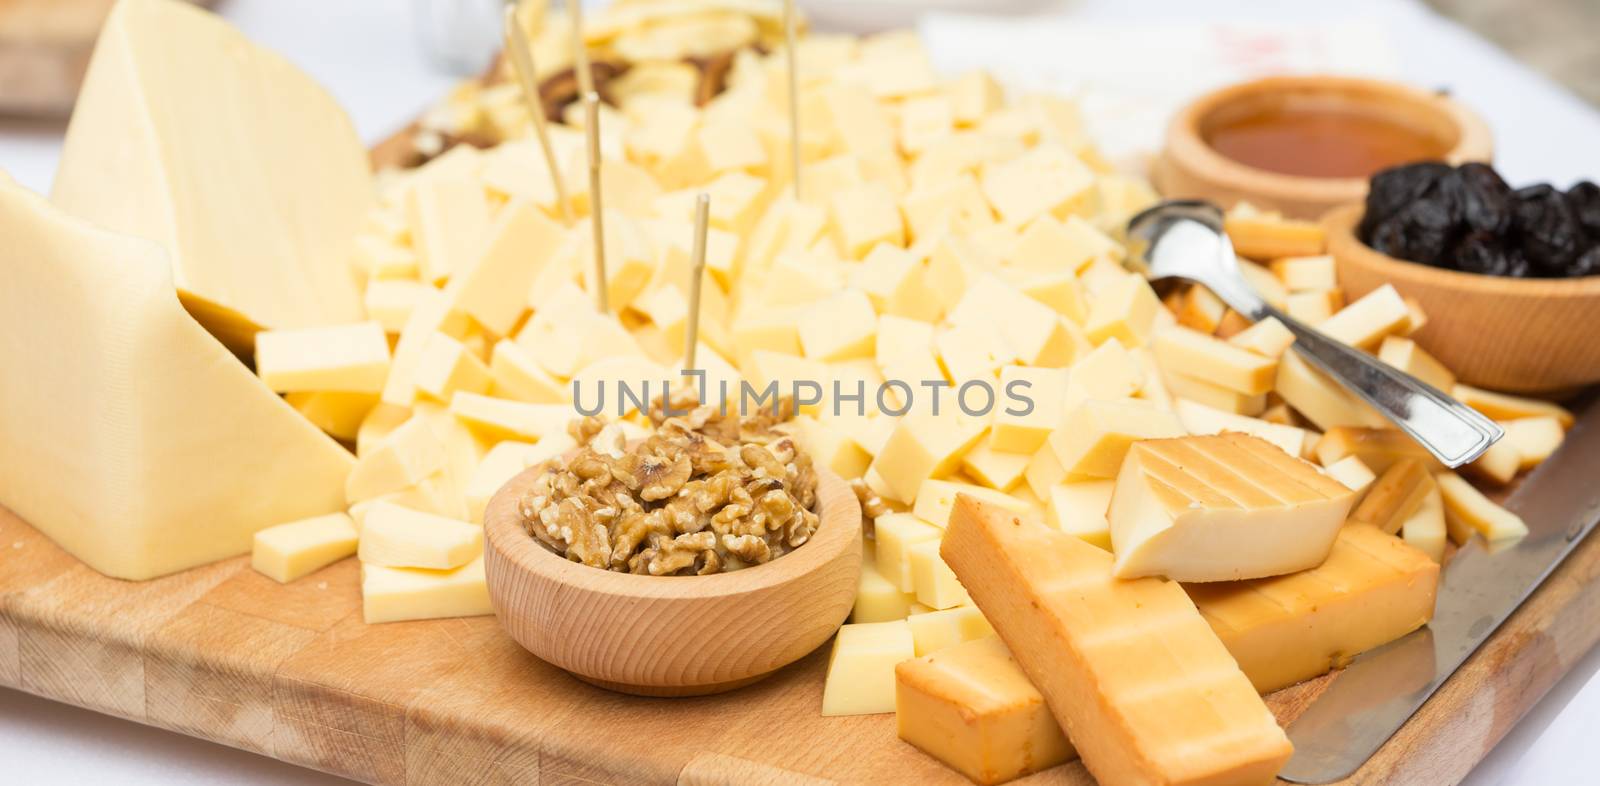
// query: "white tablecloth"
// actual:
[[363, 51]]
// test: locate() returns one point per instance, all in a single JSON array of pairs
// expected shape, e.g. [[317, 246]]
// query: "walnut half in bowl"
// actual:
[[684, 633]]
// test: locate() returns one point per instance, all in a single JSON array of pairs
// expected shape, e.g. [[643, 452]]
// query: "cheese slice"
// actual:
[[1080, 509], [1395, 497], [396, 594], [936, 585], [1179, 713], [923, 446], [338, 414], [1372, 589], [1467, 510], [241, 166], [1354, 474], [336, 358], [1191, 353], [1321, 400], [1268, 338], [1201, 419], [1378, 448], [491, 287], [878, 599], [972, 707], [1365, 322], [896, 533], [1426, 528], [1504, 406], [1221, 508], [398, 537], [132, 438], [1302, 273], [1404, 354], [938, 629], [1536, 438], [286, 552]]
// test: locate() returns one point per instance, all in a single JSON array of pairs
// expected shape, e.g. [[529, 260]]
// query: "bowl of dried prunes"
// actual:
[[1509, 277]]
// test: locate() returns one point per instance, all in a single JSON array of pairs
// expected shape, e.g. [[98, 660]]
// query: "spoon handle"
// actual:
[[1453, 432]]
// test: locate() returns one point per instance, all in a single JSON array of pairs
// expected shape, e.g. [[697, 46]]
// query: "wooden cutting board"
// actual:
[[291, 671], [44, 50]]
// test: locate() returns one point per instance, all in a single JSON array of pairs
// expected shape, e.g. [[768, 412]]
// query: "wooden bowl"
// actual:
[[1190, 168], [673, 635], [1511, 334]]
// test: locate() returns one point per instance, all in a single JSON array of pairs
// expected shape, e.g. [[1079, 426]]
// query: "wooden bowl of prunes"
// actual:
[[1508, 277]]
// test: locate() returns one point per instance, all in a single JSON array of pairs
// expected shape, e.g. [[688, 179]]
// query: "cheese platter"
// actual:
[[390, 494]]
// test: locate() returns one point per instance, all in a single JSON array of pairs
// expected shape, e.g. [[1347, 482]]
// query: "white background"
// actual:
[[364, 51]]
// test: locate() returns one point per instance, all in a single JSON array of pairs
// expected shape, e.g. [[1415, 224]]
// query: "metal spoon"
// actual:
[[1184, 239]]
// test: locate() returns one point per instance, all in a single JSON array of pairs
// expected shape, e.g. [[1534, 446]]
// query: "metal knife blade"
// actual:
[[1478, 590]]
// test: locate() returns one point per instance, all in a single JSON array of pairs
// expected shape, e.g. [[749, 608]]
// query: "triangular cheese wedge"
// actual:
[[129, 435], [240, 165]]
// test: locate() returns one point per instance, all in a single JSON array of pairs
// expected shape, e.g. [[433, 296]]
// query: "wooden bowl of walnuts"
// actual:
[[670, 635]]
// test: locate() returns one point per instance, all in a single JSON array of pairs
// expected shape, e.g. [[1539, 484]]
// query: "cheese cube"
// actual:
[[864, 216], [1109, 372], [288, 551], [380, 422], [924, 119], [831, 447], [431, 315], [1261, 236], [878, 599], [338, 414], [1378, 448], [1179, 713], [1200, 310], [1264, 283], [1321, 400], [896, 533], [936, 498], [940, 629], [1504, 406], [1222, 508], [767, 329], [491, 286], [1079, 509], [1191, 353], [954, 205], [1049, 244], [449, 218], [1029, 408], [336, 358], [518, 376], [1201, 419], [1047, 180], [1372, 589], [858, 122], [881, 273], [410, 453], [626, 381], [1033, 332], [860, 677], [936, 585], [971, 350], [899, 338], [503, 462], [390, 303], [1302, 273], [923, 446], [999, 470], [973, 96], [398, 537], [735, 201], [1395, 497], [1217, 397], [396, 594], [1268, 338], [1425, 529], [1354, 474], [1499, 464], [1535, 438], [839, 328], [1060, 291], [1365, 322], [1095, 435], [1124, 310], [1404, 354], [1314, 307], [447, 365], [1466, 510], [971, 707]]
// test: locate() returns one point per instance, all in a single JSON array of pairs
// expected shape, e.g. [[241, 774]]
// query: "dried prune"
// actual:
[[1485, 199], [1550, 234], [1428, 228], [1395, 188], [1584, 201], [1482, 252]]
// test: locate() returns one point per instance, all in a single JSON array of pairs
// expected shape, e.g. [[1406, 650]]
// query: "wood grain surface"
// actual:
[[290, 671]]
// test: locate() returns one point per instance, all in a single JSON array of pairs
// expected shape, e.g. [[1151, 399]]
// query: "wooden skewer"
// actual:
[[580, 49], [794, 94], [591, 130], [522, 63], [697, 274]]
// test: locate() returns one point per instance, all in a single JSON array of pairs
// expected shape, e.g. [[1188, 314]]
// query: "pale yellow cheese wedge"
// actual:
[[1221, 508], [397, 537], [1180, 713], [1032, 331], [1504, 406], [878, 599], [1365, 322], [1079, 509], [1302, 273], [286, 552], [997, 469], [350, 358], [936, 586], [380, 422], [133, 439], [1467, 510], [1108, 372], [396, 594], [924, 446], [1095, 435], [390, 303], [503, 462], [491, 285], [411, 452], [1404, 354], [1321, 400], [971, 707], [896, 533], [1268, 338], [1426, 529], [448, 219], [839, 328], [1027, 408], [171, 97], [1535, 438], [1354, 474], [1180, 350], [1315, 306], [446, 366], [340, 415], [1395, 497], [1372, 589], [1498, 464], [938, 629], [1124, 310], [860, 677], [517, 375], [936, 498]]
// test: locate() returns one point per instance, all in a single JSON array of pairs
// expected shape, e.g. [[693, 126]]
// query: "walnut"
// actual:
[[705, 493], [872, 505]]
